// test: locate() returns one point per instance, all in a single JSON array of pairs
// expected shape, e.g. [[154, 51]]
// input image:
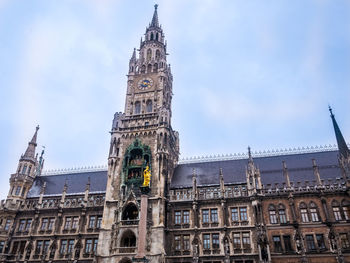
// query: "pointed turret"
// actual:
[[133, 57], [286, 174], [252, 174], [155, 22], [22, 180], [342, 147], [30, 152]]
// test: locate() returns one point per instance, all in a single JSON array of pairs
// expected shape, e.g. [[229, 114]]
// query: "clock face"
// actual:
[[145, 84]]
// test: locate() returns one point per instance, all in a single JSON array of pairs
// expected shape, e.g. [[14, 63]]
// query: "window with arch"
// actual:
[[282, 214], [149, 68], [130, 212], [152, 36], [346, 209], [128, 239], [304, 213], [157, 54], [125, 260], [149, 106], [314, 212], [132, 69], [149, 54], [143, 69], [137, 107], [24, 169], [155, 67], [272, 213], [336, 210], [157, 36]]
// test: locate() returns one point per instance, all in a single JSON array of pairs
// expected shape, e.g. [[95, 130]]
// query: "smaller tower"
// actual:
[[344, 152], [28, 168]]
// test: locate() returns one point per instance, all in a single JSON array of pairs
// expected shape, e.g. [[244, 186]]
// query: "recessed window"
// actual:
[[137, 107]]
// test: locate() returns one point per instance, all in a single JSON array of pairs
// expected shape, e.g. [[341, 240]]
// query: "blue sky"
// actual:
[[258, 73]]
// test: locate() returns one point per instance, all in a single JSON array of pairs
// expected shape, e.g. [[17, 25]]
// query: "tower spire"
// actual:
[[155, 22], [30, 152], [342, 147]]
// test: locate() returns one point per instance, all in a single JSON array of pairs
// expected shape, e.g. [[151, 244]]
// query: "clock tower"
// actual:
[[143, 153]]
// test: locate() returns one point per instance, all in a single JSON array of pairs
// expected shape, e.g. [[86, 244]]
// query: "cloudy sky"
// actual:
[[258, 73]]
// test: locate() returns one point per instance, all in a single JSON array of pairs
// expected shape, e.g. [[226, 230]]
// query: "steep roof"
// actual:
[[299, 167], [76, 183]]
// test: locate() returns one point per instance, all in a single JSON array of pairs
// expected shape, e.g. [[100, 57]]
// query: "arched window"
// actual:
[[149, 68], [24, 169], [155, 67], [132, 69], [304, 213], [157, 36], [157, 54], [314, 212], [272, 213], [143, 69], [152, 36], [29, 169], [336, 210], [130, 212], [137, 107], [282, 214], [149, 54], [125, 260], [346, 209], [149, 106], [128, 239]]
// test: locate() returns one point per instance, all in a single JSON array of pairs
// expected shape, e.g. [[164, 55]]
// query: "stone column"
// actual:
[[141, 243]]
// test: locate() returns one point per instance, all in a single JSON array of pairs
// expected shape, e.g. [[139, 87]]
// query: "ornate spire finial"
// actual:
[[249, 154], [330, 110], [155, 22], [30, 152]]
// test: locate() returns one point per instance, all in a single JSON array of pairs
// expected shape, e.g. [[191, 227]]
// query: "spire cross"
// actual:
[[155, 6]]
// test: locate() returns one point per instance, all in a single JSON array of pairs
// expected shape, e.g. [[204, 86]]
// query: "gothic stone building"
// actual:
[[290, 206]]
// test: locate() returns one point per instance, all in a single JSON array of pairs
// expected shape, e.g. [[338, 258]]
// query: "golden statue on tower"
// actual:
[[146, 177]]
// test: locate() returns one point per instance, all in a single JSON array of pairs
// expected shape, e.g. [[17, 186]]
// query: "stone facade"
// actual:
[[236, 209]]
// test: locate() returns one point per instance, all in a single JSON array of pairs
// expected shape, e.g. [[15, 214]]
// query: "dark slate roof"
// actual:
[[299, 168], [76, 183]]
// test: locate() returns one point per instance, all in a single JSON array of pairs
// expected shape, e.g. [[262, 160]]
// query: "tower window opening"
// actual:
[[149, 106], [18, 190], [149, 54], [152, 36], [149, 68], [157, 54], [24, 169], [143, 69], [132, 69], [137, 107], [155, 67], [128, 239], [157, 36], [130, 212]]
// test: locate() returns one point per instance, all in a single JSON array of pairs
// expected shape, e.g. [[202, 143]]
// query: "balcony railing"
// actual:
[[127, 249], [132, 222]]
